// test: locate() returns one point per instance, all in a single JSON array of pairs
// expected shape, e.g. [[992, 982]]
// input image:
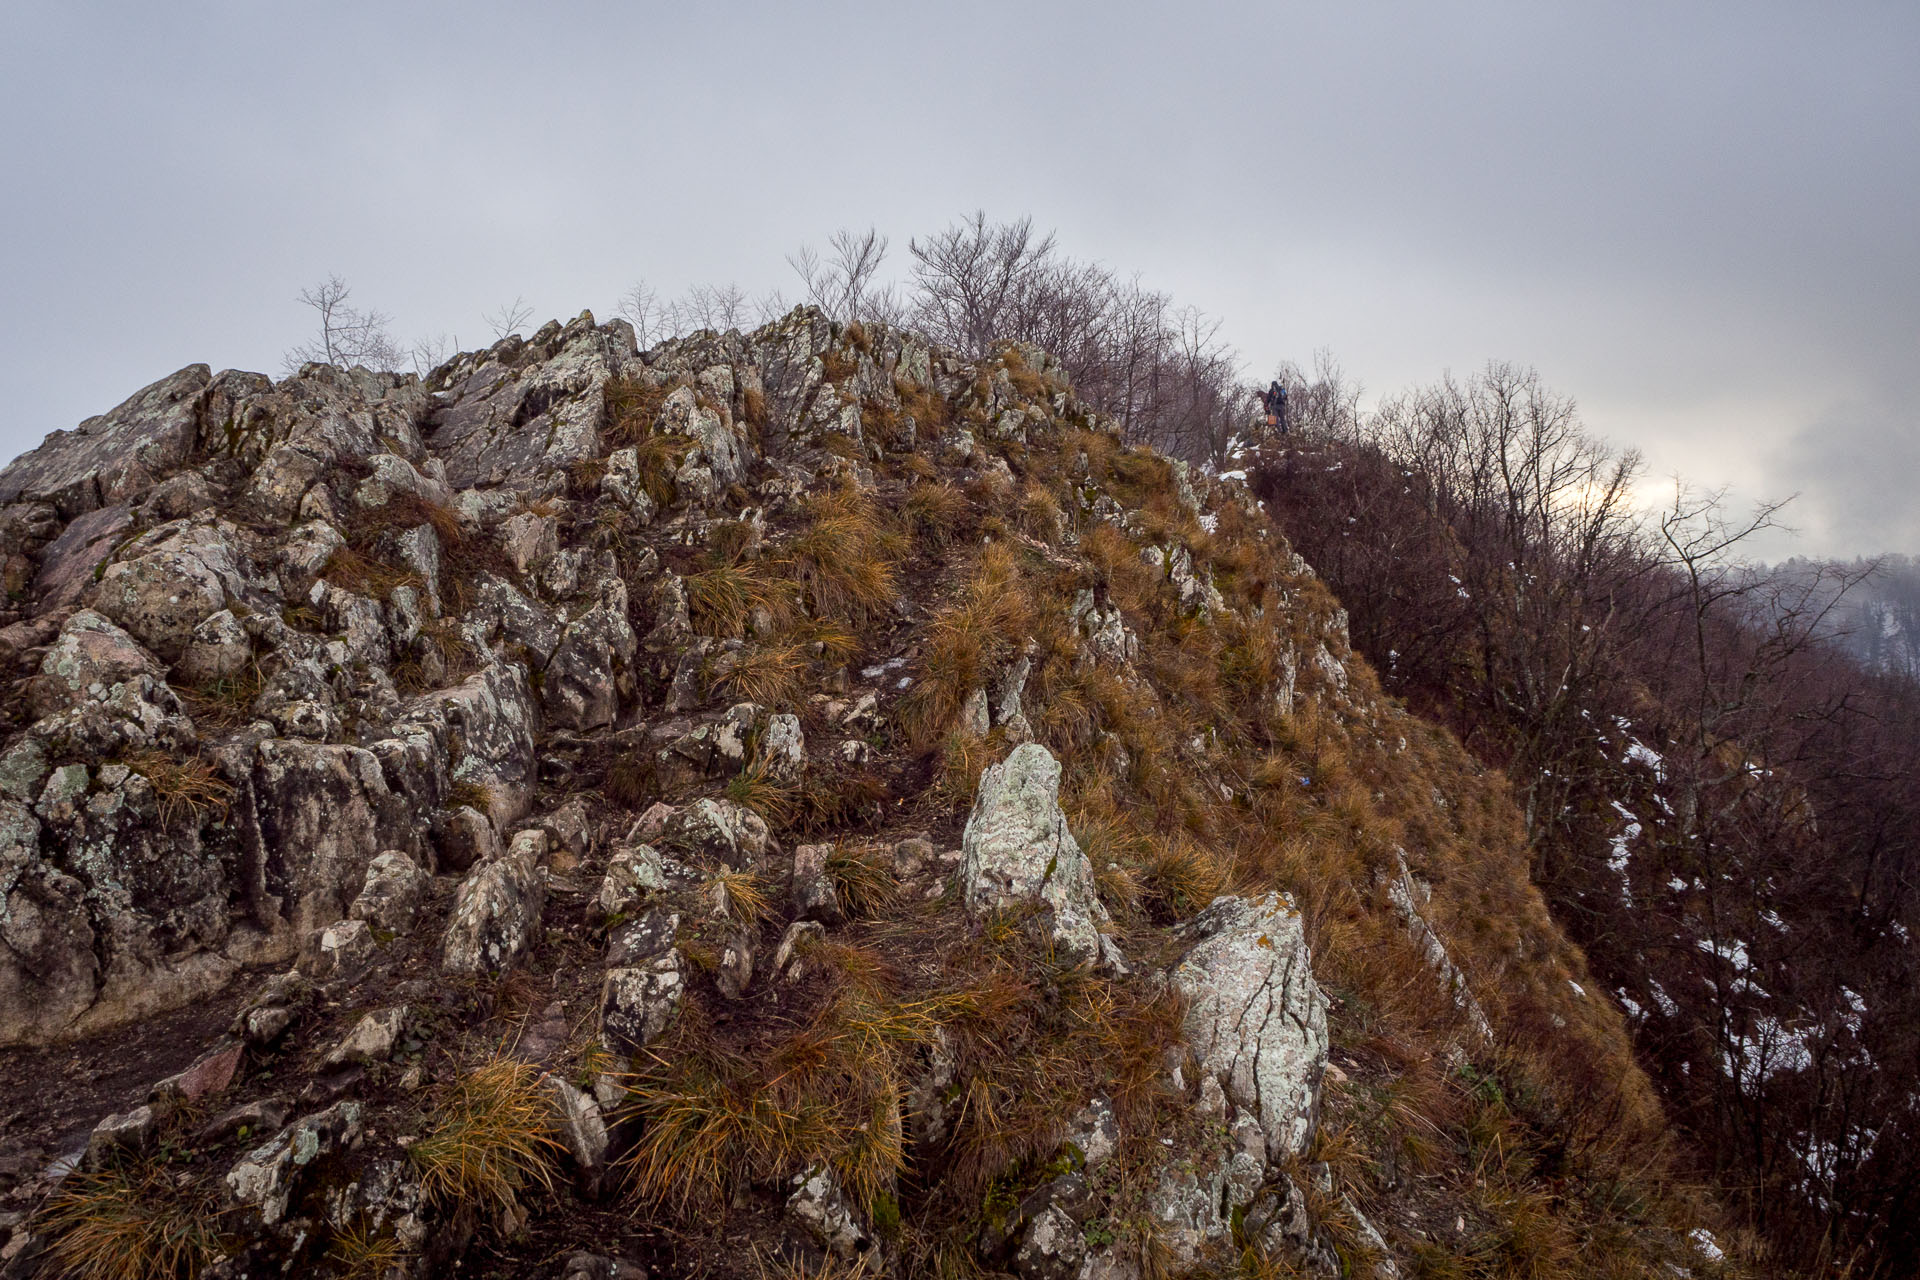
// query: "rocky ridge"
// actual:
[[805, 737]]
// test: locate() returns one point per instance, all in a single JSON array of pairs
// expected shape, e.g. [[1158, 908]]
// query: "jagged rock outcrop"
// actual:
[[1256, 1021], [586, 724], [1017, 852]]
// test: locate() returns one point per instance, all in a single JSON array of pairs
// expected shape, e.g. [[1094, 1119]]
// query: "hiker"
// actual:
[[1274, 398]]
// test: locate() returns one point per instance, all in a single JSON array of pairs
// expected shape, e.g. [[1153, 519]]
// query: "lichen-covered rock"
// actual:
[[718, 829], [632, 874], [638, 1002], [580, 688], [496, 913], [171, 580], [1017, 852], [390, 897], [823, 1209], [1256, 1020], [268, 1177], [117, 456]]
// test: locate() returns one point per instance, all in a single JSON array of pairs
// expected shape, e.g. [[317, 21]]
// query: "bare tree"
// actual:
[[348, 336], [430, 353], [844, 282], [510, 318], [640, 306]]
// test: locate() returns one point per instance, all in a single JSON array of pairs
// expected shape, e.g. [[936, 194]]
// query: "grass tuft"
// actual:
[[494, 1140], [132, 1223]]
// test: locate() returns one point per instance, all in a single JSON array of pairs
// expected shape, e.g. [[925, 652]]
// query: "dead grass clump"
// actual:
[[774, 800], [184, 787], [632, 406], [967, 643], [358, 572], [863, 880], [227, 701], [494, 1139], [768, 675], [1039, 514], [721, 599], [1032, 386], [741, 896], [842, 561], [835, 796], [132, 1223], [927, 407], [934, 513]]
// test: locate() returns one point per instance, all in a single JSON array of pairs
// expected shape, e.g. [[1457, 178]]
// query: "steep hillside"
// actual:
[[792, 803]]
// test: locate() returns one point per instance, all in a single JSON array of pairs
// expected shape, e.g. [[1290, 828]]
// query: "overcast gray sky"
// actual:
[[1699, 220]]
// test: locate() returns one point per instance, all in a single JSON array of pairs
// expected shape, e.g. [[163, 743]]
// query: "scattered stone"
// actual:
[[582, 1129], [823, 1209], [799, 935], [735, 970], [717, 829], [266, 1115], [371, 1040], [783, 748], [210, 1074], [814, 895], [129, 1132], [593, 1266]]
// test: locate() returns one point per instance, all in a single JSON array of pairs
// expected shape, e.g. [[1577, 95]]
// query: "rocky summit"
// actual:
[[790, 803]]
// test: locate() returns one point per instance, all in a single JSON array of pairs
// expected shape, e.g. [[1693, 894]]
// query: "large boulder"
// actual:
[[1256, 1020], [1017, 853], [524, 409], [117, 456], [322, 812], [170, 580]]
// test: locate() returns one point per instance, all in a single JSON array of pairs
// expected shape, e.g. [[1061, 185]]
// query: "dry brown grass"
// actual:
[[843, 560], [494, 1137], [968, 643], [135, 1222], [935, 513], [741, 896], [722, 598], [769, 675], [186, 787]]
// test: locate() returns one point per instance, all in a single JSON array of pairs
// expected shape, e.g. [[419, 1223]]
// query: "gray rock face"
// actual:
[[718, 829], [117, 456], [496, 913], [521, 410], [1017, 852], [1256, 1020], [322, 814]]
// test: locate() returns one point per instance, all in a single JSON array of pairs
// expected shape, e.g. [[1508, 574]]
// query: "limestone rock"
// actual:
[[496, 913], [343, 952], [814, 895], [372, 1038], [719, 829], [823, 1209], [117, 456], [632, 874], [1256, 1020], [268, 1176], [1017, 852], [637, 1003], [390, 898]]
